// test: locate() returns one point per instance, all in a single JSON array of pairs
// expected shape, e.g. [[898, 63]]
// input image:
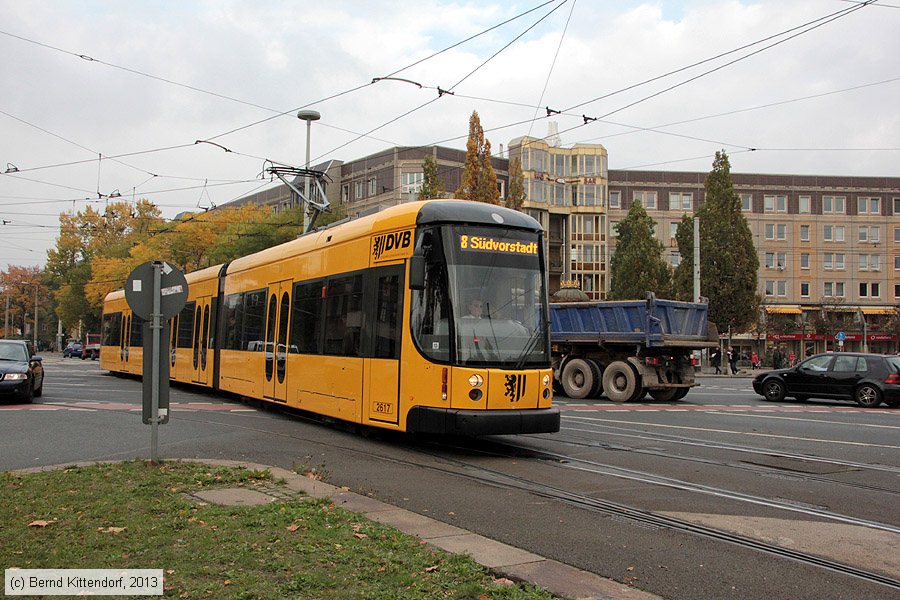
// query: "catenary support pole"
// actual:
[[696, 259]]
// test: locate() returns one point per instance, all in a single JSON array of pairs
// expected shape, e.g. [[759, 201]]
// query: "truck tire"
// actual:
[[664, 394], [620, 382], [580, 378]]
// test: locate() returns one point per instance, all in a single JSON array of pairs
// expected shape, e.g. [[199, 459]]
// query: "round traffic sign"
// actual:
[[173, 290], [840, 336]]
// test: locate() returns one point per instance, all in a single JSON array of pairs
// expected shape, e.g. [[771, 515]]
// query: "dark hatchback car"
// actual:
[[867, 379], [21, 372]]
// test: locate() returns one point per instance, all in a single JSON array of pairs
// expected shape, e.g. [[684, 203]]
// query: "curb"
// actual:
[[504, 560]]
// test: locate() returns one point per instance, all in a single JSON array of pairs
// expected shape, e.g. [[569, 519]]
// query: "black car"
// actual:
[[21, 372], [867, 379], [73, 350]]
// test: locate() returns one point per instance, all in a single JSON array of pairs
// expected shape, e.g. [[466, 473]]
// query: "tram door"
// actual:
[[125, 339], [382, 371], [278, 316], [200, 353]]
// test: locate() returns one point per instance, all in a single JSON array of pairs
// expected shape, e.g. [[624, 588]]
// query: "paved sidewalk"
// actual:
[[504, 560]]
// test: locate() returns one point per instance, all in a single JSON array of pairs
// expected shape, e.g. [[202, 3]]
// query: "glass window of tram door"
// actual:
[[503, 269]]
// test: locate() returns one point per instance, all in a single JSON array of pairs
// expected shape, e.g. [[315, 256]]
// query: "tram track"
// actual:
[[449, 465], [759, 469]]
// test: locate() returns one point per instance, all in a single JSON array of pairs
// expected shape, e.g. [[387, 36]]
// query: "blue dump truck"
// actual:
[[625, 349]]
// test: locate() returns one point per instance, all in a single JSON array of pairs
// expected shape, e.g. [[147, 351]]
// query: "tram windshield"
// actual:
[[484, 298]]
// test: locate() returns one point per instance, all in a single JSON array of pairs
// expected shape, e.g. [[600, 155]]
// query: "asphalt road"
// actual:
[[645, 493]]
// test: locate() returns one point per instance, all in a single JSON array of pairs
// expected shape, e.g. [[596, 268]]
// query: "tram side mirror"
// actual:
[[417, 272]]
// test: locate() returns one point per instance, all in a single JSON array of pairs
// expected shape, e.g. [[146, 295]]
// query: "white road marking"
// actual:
[[728, 431]]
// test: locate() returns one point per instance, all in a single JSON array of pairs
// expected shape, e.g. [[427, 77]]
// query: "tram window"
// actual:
[[254, 319], [305, 317], [186, 325], [233, 321], [137, 331], [112, 329], [343, 316], [388, 302]]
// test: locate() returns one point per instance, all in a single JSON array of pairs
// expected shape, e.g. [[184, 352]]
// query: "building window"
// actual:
[[782, 288], [870, 234], [770, 288], [834, 289], [897, 263], [673, 230], [897, 234], [412, 182], [776, 260], [869, 290], [804, 233], [868, 206], [828, 261], [781, 231], [373, 186], [681, 201], [833, 233], [774, 204], [897, 206], [869, 262], [746, 202], [360, 190], [647, 199], [345, 193], [834, 204], [615, 199], [805, 205], [676, 259], [804, 260], [897, 290], [804, 289]]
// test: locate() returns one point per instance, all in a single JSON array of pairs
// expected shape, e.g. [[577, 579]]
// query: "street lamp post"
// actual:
[[309, 116]]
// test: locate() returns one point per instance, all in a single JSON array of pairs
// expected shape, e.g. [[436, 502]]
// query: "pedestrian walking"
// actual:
[[715, 358], [777, 358], [733, 357], [754, 361]]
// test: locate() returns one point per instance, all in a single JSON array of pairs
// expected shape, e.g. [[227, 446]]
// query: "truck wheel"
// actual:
[[664, 394], [620, 381], [580, 378], [681, 393]]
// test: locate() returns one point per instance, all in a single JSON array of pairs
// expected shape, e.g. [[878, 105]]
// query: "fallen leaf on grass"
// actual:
[[227, 582], [430, 569], [293, 527], [111, 529], [361, 536], [41, 523]]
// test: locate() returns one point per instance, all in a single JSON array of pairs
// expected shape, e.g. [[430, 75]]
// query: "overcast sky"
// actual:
[[824, 102]]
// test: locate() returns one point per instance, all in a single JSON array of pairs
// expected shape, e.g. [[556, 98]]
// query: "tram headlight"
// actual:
[[546, 380], [475, 394], [476, 380]]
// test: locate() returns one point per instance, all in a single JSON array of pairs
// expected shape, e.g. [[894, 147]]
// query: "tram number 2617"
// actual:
[[383, 408]]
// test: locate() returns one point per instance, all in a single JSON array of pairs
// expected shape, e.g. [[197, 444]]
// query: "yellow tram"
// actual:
[[367, 322]]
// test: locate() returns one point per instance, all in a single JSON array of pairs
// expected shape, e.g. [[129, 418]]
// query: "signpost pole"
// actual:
[[155, 327]]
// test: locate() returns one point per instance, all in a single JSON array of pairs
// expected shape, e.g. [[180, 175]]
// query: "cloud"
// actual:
[[287, 55]]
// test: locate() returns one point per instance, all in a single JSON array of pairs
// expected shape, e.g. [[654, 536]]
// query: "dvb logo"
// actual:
[[391, 241]]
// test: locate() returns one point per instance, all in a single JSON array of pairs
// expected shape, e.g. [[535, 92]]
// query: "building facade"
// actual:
[[828, 248]]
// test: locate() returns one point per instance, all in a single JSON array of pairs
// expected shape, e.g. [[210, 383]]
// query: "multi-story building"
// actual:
[[828, 246], [566, 192]]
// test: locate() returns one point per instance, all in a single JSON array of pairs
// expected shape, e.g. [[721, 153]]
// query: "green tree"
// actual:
[[479, 180], [431, 183], [515, 195], [637, 266], [728, 259]]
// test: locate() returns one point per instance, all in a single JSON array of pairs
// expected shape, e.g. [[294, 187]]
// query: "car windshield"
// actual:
[[894, 361], [13, 352]]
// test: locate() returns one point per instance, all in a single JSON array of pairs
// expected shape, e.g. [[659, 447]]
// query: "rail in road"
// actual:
[[762, 483]]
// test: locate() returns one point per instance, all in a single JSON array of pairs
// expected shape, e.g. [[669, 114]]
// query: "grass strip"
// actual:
[[137, 515]]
